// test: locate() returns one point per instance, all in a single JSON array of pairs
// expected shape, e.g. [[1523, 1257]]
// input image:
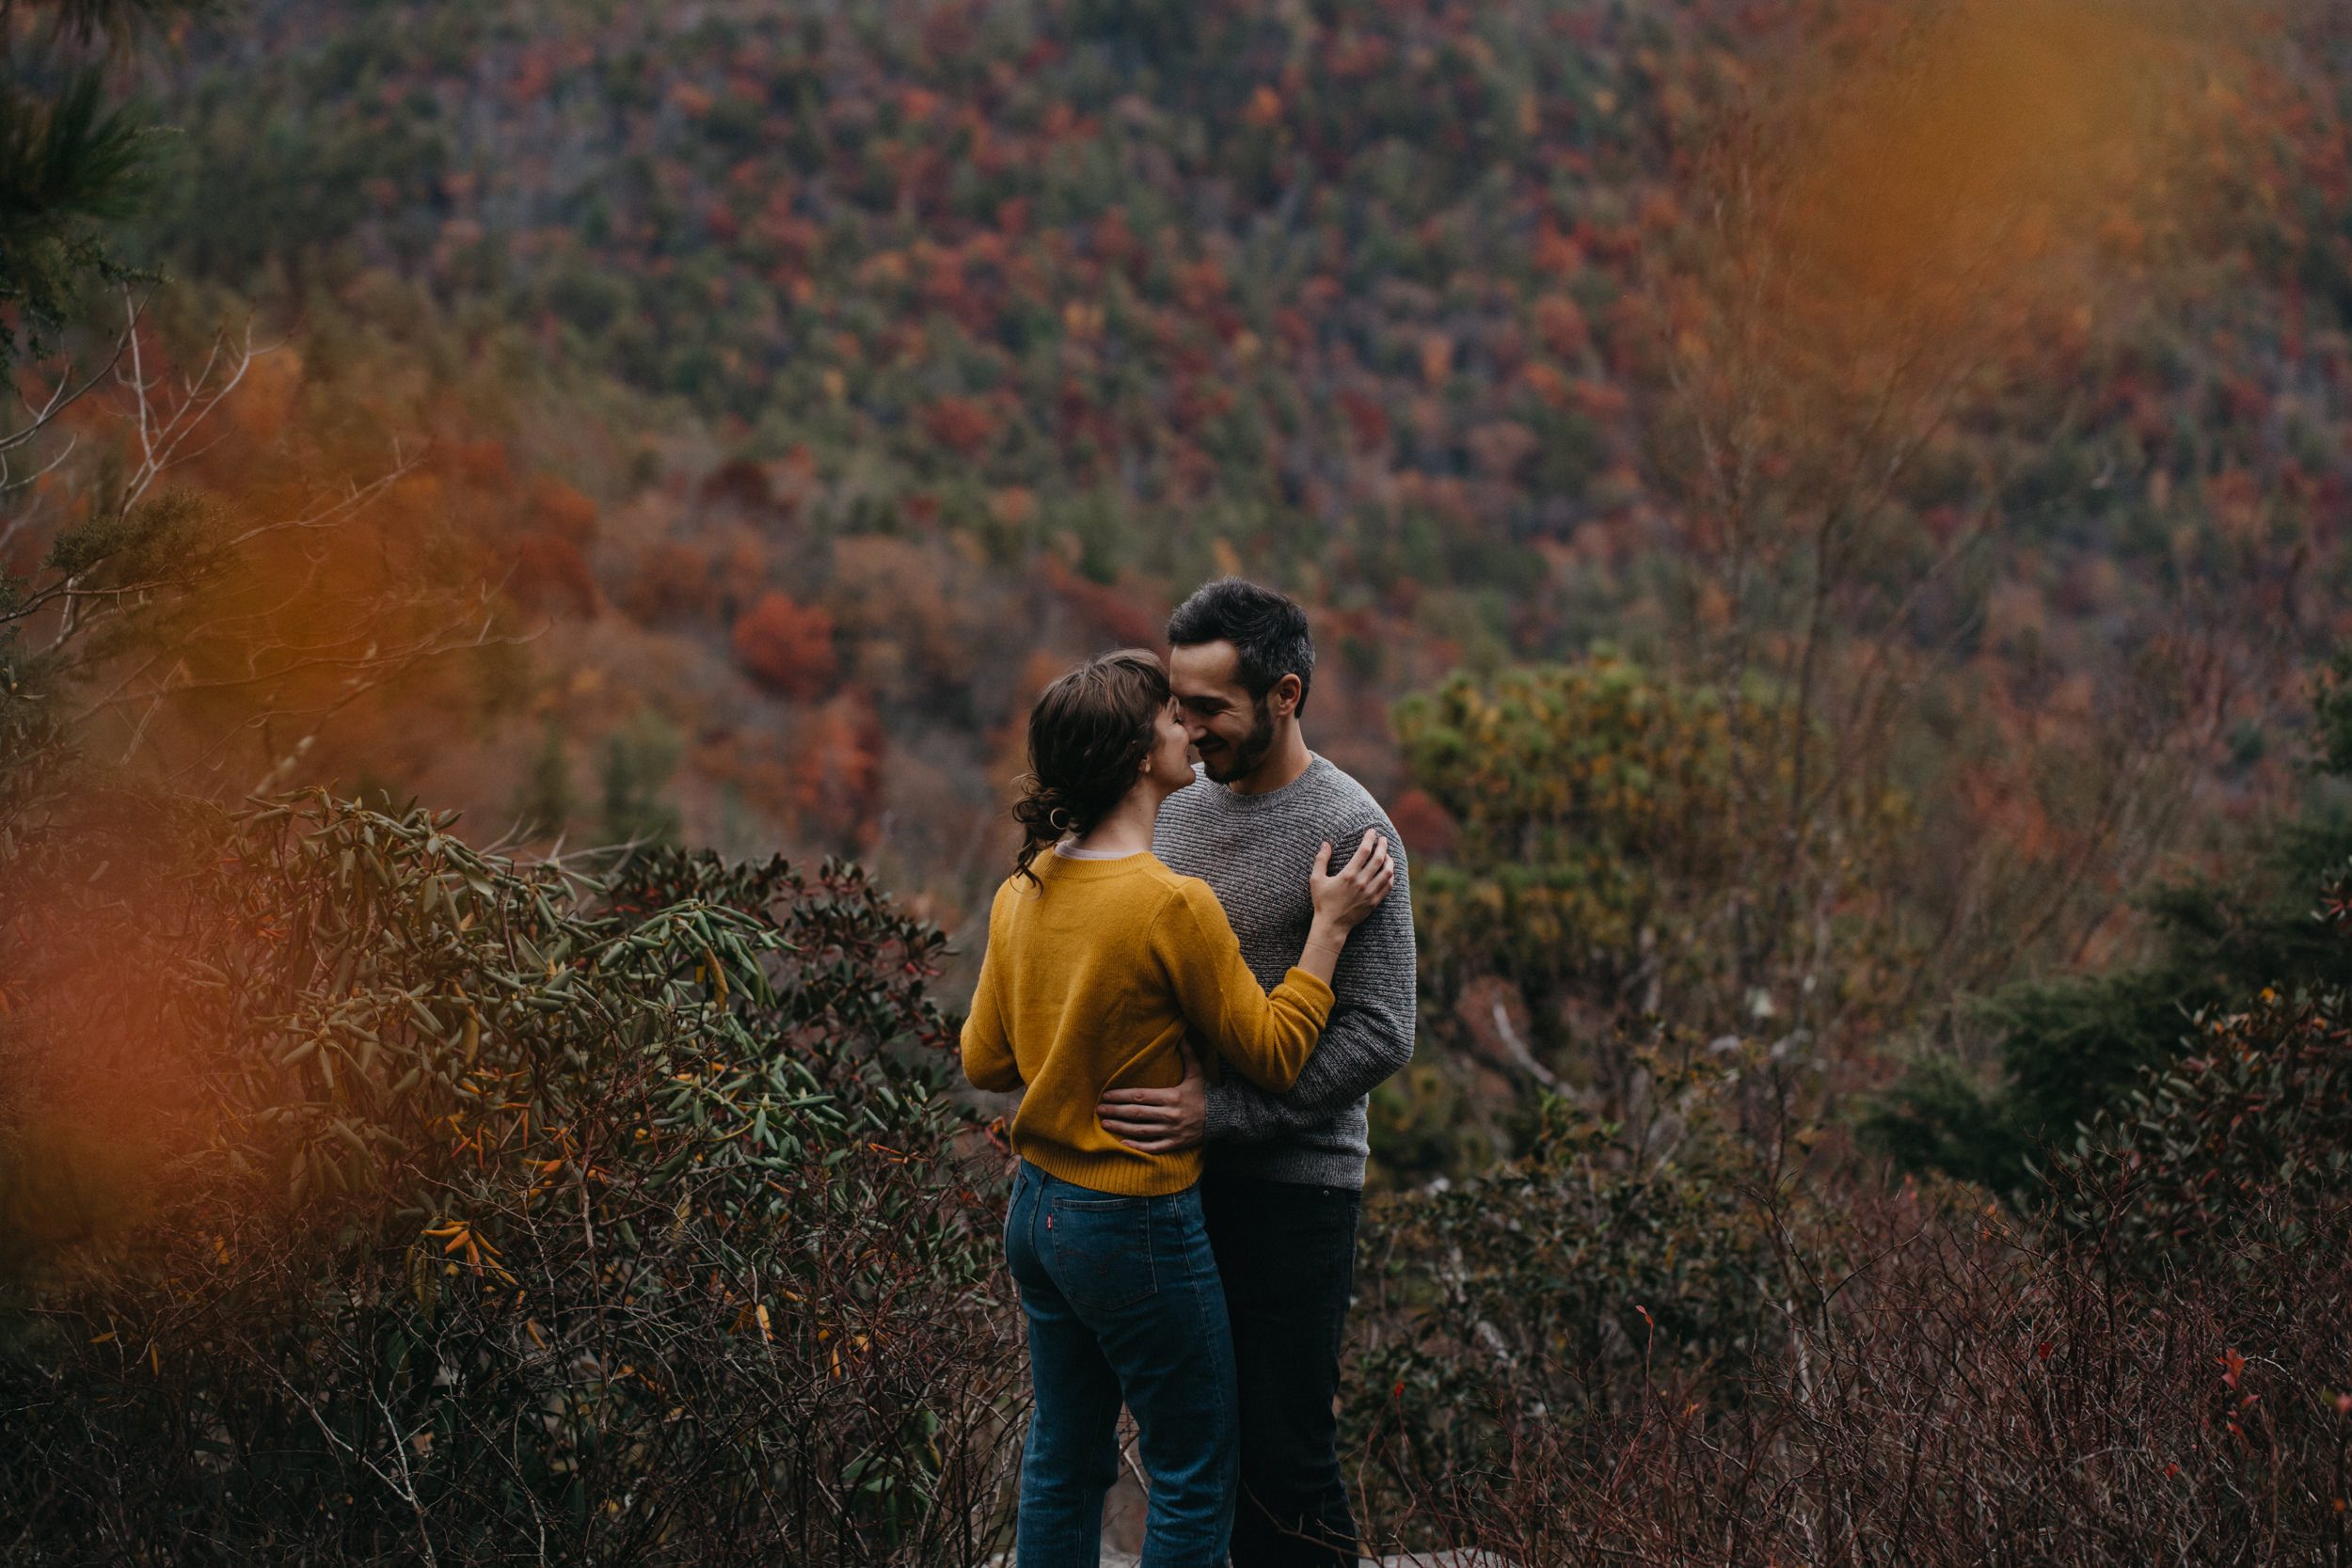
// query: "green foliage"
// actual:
[[1622, 849], [68, 163], [1546, 1293], [1618, 833], [1424, 1125], [638, 764], [487, 1205], [172, 537], [2235, 1155], [2331, 707], [545, 804], [2229, 1158], [71, 161], [1586, 798], [2070, 1046]]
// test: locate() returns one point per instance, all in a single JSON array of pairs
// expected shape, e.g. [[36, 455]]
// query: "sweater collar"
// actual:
[[1271, 799], [1062, 867]]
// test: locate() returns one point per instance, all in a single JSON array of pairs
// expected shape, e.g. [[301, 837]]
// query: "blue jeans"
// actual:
[[1123, 1304]]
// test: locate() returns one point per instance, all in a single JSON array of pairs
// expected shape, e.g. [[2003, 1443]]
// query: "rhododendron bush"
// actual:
[[372, 1197]]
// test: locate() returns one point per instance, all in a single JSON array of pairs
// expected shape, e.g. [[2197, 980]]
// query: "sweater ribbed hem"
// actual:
[[1289, 1164], [1125, 1174]]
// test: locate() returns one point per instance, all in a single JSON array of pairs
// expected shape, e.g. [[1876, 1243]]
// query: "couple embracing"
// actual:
[[1195, 994]]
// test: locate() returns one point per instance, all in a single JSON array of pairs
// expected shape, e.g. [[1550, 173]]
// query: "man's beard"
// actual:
[[1239, 759]]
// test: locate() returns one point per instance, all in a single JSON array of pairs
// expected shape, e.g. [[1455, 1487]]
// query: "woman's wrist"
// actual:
[[1325, 934]]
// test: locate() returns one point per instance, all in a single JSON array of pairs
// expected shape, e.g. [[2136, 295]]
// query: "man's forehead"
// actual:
[[1204, 667]]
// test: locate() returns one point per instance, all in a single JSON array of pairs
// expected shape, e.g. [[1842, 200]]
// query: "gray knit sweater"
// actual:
[[1254, 850]]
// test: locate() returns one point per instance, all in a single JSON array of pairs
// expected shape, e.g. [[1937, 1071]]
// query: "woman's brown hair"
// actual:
[[1088, 732]]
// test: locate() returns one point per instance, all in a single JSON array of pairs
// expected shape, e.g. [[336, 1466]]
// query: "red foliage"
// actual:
[[482, 463], [1104, 609], [1426, 826], [962, 424], [550, 574], [787, 647], [1367, 420], [837, 770]]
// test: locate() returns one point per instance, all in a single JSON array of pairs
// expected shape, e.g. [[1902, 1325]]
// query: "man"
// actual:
[[1284, 1173]]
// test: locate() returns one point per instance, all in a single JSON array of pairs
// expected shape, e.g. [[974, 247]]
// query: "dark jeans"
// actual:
[[1287, 1253], [1122, 1301]]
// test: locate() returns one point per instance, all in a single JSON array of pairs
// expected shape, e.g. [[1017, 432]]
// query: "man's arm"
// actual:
[[1367, 1040]]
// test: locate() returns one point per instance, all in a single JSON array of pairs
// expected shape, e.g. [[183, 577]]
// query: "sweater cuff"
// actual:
[[1310, 989]]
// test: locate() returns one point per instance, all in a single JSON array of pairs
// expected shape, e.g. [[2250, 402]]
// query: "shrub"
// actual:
[[493, 1212], [2075, 1047], [1948, 1393], [2235, 1157], [1614, 857], [1545, 1294]]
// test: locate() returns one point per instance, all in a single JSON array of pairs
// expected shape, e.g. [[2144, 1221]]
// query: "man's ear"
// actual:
[[1285, 694]]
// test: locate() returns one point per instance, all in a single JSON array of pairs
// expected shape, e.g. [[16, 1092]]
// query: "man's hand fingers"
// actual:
[[1150, 1147], [1363, 857], [1165, 1099], [1153, 1114], [1133, 1121]]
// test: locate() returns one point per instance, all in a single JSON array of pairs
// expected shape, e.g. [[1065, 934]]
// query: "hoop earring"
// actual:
[[1058, 819]]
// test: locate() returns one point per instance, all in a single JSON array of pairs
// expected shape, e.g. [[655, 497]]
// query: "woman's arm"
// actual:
[[1267, 1036], [988, 1059]]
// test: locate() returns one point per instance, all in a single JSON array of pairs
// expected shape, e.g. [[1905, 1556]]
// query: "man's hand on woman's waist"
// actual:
[[1159, 1121]]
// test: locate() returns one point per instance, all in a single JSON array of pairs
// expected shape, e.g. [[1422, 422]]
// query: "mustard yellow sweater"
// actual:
[[1090, 980]]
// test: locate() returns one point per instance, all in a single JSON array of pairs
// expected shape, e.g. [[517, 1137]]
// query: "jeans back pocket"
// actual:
[[1102, 1250]]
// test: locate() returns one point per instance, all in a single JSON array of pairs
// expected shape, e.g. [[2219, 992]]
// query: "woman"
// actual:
[[1099, 961]]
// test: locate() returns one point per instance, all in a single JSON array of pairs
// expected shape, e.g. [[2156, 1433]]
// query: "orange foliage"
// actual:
[[1562, 326], [265, 398], [670, 580], [481, 463], [836, 769], [787, 647]]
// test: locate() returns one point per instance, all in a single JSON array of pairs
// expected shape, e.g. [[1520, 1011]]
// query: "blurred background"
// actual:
[[737, 412]]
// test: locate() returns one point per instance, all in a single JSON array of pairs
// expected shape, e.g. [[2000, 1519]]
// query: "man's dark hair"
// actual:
[[1266, 628]]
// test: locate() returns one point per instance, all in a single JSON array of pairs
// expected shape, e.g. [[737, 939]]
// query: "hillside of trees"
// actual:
[[529, 533], [896, 355], [1964, 392]]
